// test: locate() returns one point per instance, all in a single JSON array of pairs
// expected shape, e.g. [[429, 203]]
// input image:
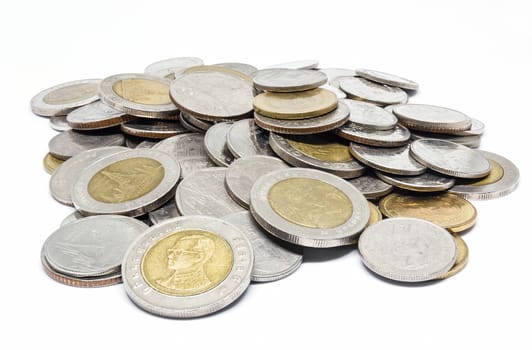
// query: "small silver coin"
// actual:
[[59, 123], [288, 80], [368, 91], [63, 98], [398, 136], [175, 62], [477, 129], [300, 64], [187, 125], [153, 128], [334, 73], [427, 182], [199, 124], [245, 138], [371, 186], [283, 147], [431, 118], [272, 261], [69, 143], [146, 144], [165, 212], [243, 173], [96, 115], [243, 68], [407, 250], [450, 158], [339, 93], [394, 160], [472, 141], [216, 145], [205, 194], [387, 79], [72, 217], [369, 115]]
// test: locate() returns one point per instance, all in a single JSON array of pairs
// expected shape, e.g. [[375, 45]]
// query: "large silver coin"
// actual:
[[188, 267], [205, 194], [165, 212], [173, 63], [339, 93], [201, 125], [450, 158], [63, 98], [96, 115], [431, 118], [387, 79], [187, 125], [243, 173], [153, 128], [272, 261], [371, 186], [398, 136], [215, 144], [427, 182], [370, 116], [407, 250], [309, 207], [288, 80], [300, 64], [245, 138], [59, 123], [243, 68], [394, 160], [472, 141], [365, 90], [477, 129], [69, 143]]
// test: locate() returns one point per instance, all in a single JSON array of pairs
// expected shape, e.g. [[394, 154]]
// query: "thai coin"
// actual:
[[187, 125], [152, 128], [63, 98], [69, 143], [446, 210], [339, 93], [288, 80], [75, 216], [245, 138], [477, 129], [387, 79], [59, 123], [205, 194], [272, 261], [175, 62], [427, 182], [165, 212], [450, 158], [375, 214], [243, 68], [133, 141], [431, 118], [398, 136], [300, 64], [146, 144], [188, 267], [202, 125], [96, 115], [365, 90], [295, 105], [472, 141], [129, 183], [394, 160], [51, 163], [63, 179], [461, 257], [243, 173], [371, 186], [140, 95], [323, 152], [326, 122], [309, 207], [220, 69], [407, 250], [215, 144], [370, 116], [502, 180], [334, 73]]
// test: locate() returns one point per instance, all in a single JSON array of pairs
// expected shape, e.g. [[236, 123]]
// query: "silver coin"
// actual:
[[63, 98], [96, 115], [129, 183], [243, 173], [59, 123], [243, 68], [187, 125], [153, 128], [315, 230], [146, 144], [245, 138], [66, 175], [92, 246], [477, 129], [394, 160], [205, 194], [165, 212], [370, 116], [450, 158], [215, 144], [427, 182], [69, 143], [472, 141], [334, 73], [299, 64], [154, 299], [339, 93], [371, 186], [490, 190], [431, 118], [284, 148], [407, 250], [173, 63], [199, 124], [398, 136], [387, 79], [368, 91], [288, 80], [72, 217], [272, 261]]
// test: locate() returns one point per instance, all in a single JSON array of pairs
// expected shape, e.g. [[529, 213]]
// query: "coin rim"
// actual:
[[349, 133], [380, 102], [271, 86], [384, 167], [391, 79], [398, 182]]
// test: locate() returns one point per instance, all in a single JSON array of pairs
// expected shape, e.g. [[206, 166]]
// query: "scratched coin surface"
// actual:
[[245, 138], [371, 186], [395, 137], [51, 163], [427, 182], [165, 212], [369, 115], [394, 160], [69, 143], [387, 79], [368, 91], [288, 80], [216, 144], [430, 118], [153, 128], [96, 115]]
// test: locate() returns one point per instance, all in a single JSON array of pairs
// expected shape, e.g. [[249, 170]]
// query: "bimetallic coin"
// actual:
[[75, 216], [288, 80], [375, 214], [387, 79], [96, 115], [427, 182], [394, 160], [59, 123], [69, 143], [165, 212], [245, 139], [472, 141], [407, 250], [153, 128], [243, 68], [398, 136], [51, 163], [369, 115], [215, 144], [431, 118], [202, 125], [309, 207], [300, 64], [461, 257], [371, 186], [368, 91], [188, 267]]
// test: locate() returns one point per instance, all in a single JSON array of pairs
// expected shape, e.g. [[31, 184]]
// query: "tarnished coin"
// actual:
[[69, 143], [322, 151], [371, 186], [407, 250], [59, 123], [167, 67], [63, 98], [427, 182], [309, 207], [243, 68], [300, 64], [76, 215], [153, 128], [245, 138], [188, 267], [205, 194], [477, 129], [398, 136], [96, 115], [129, 183], [387, 79], [365, 90], [215, 144], [165, 212], [200, 125], [51, 163], [288, 80], [394, 160], [369, 115], [472, 141], [431, 118], [243, 173], [450, 158], [375, 214]]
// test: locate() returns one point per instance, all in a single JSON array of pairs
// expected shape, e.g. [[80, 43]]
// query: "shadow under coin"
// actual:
[[316, 255], [399, 283]]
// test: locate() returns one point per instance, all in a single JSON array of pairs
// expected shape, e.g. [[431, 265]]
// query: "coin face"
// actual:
[[394, 160], [51, 163], [430, 118], [368, 91], [153, 128], [427, 182], [69, 143], [288, 80], [387, 79], [369, 115], [371, 186], [165, 212], [96, 115], [215, 144], [245, 139], [395, 137]]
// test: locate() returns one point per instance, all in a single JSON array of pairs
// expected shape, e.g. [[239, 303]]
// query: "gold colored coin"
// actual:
[[310, 203], [143, 91], [126, 180], [51, 163], [461, 257], [219, 69], [187, 262], [374, 214], [295, 105], [496, 173], [323, 149], [71, 93]]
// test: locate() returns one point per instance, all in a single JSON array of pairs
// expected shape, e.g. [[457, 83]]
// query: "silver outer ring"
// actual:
[[396, 181], [369, 137]]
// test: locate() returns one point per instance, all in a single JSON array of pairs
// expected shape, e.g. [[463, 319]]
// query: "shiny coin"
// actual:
[[165, 212], [334, 73], [215, 144], [186, 124], [371, 186], [166, 68], [387, 79], [129, 183], [339, 93], [69, 143], [375, 214], [153, 128], [461, 257], [188, 267], [245, 138], [147, 144], [221, 69], [51, 163], [394, 160], [370, 116], [243, 68], [365, 90], [288, 80], [301, 64], [427, 182], [450, 158], [477, 129], [72, 217], [431, 118], [395, 137], [198, 124], [322, 151], [63, 98], [96, 115], [59, 123], [472, 141], [407, 250], [309, 207]]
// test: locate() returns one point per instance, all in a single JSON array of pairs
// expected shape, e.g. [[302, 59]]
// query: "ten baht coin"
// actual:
[[96, 115], [288, 80], [69, 143]]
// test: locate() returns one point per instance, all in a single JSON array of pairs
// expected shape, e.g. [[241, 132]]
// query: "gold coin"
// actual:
[[446, 210], [374, 214], [143, 91], [187, 262], [323, 149], [496, 173], [295, 105], [51, 163], [71, 93], [461, 257], [219, 69]]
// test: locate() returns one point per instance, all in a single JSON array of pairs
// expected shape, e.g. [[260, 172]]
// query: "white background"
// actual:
[[472, 56]]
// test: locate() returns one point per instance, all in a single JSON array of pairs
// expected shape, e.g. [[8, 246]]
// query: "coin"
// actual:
[[165, 212], [63, 98], [430, 118], [129, 183], [472, 141], [76, 215], [243, 172], [288, 80], [369, 115], [375, 214], [199, 124], [387, 79], [394, 160], [243, 68], [215, 144], [339, 93], [395, 137], [427, 182], [300, 64], [407, 250], [371, 186], [450, 158], [368, 91], [51, 163], [96, 115], [153, 128], [322, 151], [245, 138], [477, 129], [461, 257], [221, 69], [187, 125], [334, 73], [69, 143], [172, 64], [309, 207], [59, 123]]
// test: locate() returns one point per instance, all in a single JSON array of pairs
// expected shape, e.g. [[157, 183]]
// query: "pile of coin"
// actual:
[[237, 169]]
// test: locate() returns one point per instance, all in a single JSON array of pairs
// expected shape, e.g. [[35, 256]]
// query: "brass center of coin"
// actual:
[[126, 180], [187, 262], [323, 150], [69, 94], [143, 91], [310, 203], [495, 175], [51, 163]]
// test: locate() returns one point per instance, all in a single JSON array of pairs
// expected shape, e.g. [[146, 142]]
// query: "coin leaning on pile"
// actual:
[[237, 169]]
